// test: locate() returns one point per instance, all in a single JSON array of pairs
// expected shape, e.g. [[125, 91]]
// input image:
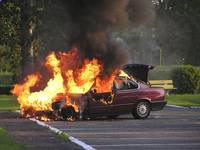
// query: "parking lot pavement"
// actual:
[[32, 136], [171, 128]]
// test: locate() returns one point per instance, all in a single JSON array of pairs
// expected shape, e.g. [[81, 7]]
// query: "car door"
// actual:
[[101, 104], [125, 97]]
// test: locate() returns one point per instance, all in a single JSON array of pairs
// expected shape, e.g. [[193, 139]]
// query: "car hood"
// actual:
[[139, 71]]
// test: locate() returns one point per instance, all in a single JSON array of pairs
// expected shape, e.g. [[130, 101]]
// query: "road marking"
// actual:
[[170, 144], [95, 129], [72, 139], [132, 138], [95, 133], [132, 132], [184, 107], [176, 106]]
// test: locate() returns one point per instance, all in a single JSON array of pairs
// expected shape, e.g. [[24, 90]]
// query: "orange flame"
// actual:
[[85, 78], [123, 74], [67, 77]]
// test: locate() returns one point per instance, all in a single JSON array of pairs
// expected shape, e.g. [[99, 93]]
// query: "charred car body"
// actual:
[[129, 96]]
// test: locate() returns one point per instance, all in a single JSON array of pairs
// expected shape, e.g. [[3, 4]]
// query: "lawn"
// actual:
[[184, 99], [7, 142], [63, 136], [8, 103]]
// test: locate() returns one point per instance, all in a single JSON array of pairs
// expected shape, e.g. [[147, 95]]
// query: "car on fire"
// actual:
[[132, 95]]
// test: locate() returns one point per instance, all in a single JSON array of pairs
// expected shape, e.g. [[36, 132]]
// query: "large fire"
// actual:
[[67, 76]]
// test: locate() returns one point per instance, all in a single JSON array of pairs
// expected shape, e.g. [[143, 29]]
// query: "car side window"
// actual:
[[132, 85], [120, 85]]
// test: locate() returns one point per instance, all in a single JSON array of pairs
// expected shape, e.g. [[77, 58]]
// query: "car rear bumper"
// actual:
[[158, 105]]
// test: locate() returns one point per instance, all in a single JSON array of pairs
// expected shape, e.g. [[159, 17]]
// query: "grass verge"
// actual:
[[63, 136], [184, 99], [7, 142], [8, 103]]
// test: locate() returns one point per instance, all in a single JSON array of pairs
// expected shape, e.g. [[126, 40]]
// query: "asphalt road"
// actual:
[[171, 128]]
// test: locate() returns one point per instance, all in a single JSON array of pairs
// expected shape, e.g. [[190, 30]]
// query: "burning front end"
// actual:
[[65, 81]]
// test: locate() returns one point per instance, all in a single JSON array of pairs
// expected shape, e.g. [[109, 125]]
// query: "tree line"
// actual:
[[30, 28]]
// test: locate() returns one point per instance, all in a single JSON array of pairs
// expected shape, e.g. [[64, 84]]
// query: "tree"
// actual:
[[178, 29], [29, 38], [10, 49]]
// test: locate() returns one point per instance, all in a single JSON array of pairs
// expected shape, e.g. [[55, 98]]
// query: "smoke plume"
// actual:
[[94, 21], [91, 25]]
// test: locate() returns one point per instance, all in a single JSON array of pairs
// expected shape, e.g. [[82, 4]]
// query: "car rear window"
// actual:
[[124, 84]]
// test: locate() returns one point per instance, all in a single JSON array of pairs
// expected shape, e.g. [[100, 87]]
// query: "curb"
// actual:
[[72, 139], [176, 106], [184, 107]]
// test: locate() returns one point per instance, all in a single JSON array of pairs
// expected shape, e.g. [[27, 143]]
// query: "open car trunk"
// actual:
[[139, 71]]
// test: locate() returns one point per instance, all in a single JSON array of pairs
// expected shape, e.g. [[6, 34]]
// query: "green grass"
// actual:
[[6, 85], [63, 136], [184, 99], [8, 103], [7, 142]]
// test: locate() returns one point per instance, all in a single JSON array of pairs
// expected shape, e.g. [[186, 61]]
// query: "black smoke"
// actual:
[[95, 21], [92, 25]]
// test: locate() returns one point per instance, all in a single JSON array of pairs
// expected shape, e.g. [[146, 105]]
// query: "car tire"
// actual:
[[69, 114], [142, 110], [112, 116]]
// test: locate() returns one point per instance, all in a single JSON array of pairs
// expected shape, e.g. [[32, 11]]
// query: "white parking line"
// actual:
[[95, 133], [132, 138], [72, 139], [183, 107], [86, 129], [176, 106], [130, 132], [170, 144]]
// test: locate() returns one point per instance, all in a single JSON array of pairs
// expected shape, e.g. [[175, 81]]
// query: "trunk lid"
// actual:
[[139, 71]]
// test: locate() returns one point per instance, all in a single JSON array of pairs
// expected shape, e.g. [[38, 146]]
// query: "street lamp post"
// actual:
[[160, 57]]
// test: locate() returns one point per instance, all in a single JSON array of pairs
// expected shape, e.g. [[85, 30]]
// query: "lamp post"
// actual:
[[31, 50], [160, 57]]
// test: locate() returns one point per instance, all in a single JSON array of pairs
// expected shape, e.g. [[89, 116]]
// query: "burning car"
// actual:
[[129, 95], [84, 80], [69, 90]]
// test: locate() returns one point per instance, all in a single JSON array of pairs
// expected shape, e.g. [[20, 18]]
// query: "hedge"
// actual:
[[6, 78], [5, 89], [186, 79], [6, 82]]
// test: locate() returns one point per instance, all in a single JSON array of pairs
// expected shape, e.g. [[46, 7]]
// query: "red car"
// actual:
[[129, 96]]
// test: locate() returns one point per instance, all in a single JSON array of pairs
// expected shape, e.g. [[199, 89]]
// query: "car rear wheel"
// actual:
[[141, 110]]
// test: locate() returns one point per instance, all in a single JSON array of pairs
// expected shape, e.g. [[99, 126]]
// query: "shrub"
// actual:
[[186, 79], [6, 78], [6, 89], [10, 59], [6, 81], [5, 61]]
